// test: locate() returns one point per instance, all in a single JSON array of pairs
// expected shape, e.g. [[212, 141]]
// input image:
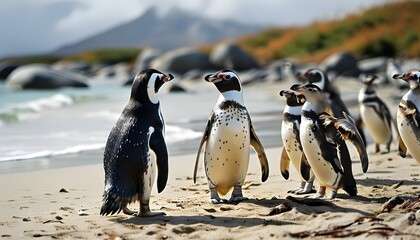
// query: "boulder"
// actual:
[[39, 76], [341, 64], [232, 56], [182, 60], [145, 58], [6, 69], [373, 65]]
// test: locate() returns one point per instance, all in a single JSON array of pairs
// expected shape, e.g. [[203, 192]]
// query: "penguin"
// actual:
[[321, 144], [318, 77], [408, 116], [227, 138], [375, 114], [135, 148], [393, 68], [292, 149]]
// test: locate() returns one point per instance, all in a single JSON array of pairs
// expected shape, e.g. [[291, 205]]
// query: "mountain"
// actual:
[[175, 29]]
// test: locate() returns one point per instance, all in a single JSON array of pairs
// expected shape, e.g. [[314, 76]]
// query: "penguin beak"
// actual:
[[213, 78], [286, 93], [402, 76], [369, 79], [167, 78]]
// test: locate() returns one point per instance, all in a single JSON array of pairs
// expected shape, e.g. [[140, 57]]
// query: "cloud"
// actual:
[[95, 16]]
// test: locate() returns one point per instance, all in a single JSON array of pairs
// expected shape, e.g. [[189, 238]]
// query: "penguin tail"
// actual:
[[112, 204]]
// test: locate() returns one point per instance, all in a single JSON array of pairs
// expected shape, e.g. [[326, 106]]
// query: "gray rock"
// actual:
[[181, 61], [39, 76], [83, 68], [231, 56], [6, 69], [194, 74], [176, 88], [253, 76], [341, 64], [373, 65], [145, 58]]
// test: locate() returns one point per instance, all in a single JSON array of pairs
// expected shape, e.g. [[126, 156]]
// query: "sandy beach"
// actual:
[[64, 202]]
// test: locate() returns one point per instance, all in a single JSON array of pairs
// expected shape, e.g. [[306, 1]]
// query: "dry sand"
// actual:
[[32, 205]]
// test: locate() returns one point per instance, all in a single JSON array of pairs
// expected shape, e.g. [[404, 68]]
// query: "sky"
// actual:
[[39, 26]]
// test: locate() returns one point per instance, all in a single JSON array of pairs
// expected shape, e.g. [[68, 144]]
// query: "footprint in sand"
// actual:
[[183, 229]]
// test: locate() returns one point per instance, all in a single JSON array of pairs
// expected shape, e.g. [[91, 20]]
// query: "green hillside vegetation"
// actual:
[[390, 30]]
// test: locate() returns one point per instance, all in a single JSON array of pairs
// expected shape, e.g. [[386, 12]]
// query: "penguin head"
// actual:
[[369, 79], [368, 82], [146, 85], [412, 78], [318, 77], [311, 92], [292, 99], [225, 80]]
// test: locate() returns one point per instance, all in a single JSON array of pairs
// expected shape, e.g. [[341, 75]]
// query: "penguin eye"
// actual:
[[226, 77], [310, 89]]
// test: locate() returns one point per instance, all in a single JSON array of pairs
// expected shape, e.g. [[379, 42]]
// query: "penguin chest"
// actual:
[[376, 125], [291, 142], [408, 135], [227, 149], [323, 170]]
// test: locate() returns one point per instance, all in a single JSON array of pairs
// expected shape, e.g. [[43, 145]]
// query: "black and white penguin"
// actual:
[[227, 137], [292, 149], [135, 148], [375, 114], [321, 143], [318, 77], [408, 116]]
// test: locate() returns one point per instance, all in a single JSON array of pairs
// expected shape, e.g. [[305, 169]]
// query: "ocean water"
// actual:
[[40, 125], [42, 129]]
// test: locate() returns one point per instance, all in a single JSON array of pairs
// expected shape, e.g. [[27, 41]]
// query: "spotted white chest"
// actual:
[[290, 136], [322, 169], [227, 149], [406, 131]]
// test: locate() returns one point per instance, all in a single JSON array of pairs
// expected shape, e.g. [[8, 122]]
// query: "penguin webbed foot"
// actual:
[[127, 211], [304, 188], [214, 197], [218, 200], [237, 195], [145, 211], [332, 195], [301, 191], [149, 214], [320, 194]]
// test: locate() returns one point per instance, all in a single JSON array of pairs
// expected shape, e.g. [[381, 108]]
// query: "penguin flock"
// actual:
[[315, 130]]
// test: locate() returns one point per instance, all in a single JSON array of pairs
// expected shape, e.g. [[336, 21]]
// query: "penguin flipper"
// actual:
[[305, 168], [284, 163], [259, 149], [203, 140], [347, 130], [402, 148], [158, 146]]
